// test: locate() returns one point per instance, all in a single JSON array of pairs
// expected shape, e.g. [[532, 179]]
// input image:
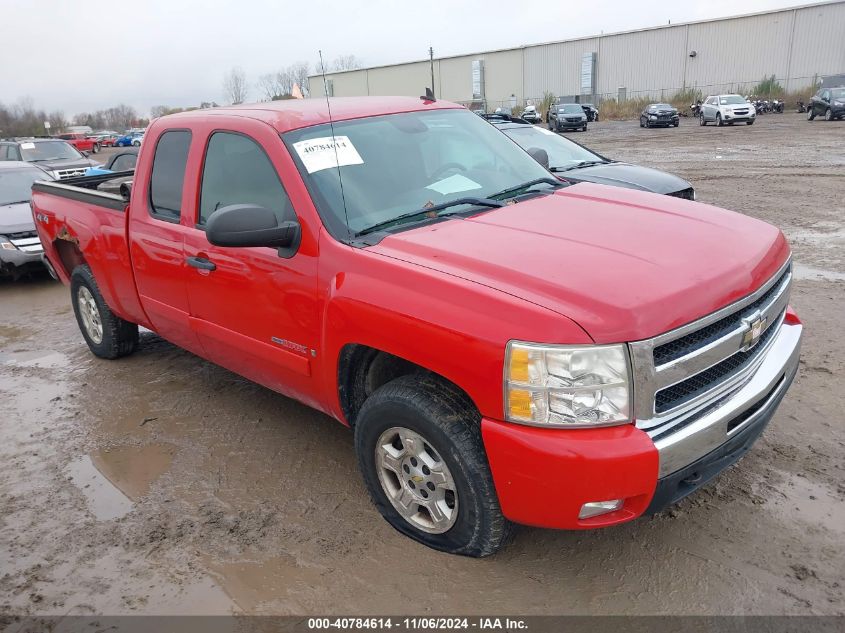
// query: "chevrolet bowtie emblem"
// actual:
[[754, 325]]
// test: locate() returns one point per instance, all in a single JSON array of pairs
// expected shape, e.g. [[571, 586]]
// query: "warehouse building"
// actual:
[[797, 46]]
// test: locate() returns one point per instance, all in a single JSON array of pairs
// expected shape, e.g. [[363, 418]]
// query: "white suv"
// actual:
[[730, 109]]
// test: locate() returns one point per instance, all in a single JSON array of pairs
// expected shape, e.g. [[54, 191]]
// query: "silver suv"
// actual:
[[726, 109]]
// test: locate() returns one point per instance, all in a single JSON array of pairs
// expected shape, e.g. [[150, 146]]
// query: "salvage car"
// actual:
[[506, 347], [531, 115], [58, 157], [20, 248], [81, 142], [827, 102], [591, 111], [659, 115], [573, 162], [726, 109], [566, 116]]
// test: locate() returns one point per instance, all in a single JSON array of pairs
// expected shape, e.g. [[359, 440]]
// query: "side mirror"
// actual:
[[540, 155], [251, 225], [126, 191]]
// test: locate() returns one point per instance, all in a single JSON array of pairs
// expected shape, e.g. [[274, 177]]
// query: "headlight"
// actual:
[[559, 386], [839, 103], [652, 117], [6, 245]]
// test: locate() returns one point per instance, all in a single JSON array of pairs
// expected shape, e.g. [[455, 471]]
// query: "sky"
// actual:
[[84, 55]]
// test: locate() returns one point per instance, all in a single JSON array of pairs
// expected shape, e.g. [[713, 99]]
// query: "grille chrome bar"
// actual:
[[650, 378]]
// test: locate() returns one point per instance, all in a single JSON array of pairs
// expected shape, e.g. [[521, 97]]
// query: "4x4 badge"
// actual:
[[755, 325]]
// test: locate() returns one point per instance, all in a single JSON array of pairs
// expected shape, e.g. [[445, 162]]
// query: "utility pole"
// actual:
[[431, 60]]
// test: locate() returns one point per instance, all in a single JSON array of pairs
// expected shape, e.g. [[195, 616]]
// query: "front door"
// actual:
[[254, 309]]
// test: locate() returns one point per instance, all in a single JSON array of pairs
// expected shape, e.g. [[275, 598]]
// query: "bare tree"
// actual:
[[276, 85], [299, 75], [57, 120], [346, 62], [234, 86]]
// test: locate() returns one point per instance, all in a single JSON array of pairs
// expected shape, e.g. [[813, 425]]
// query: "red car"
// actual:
[[81, 142], [506, 347]]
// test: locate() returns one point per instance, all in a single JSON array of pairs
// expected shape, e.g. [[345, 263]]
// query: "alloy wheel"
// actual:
[[90, 314]]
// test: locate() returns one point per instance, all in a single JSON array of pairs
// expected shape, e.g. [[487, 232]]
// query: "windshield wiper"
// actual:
[[511, 192], [478, 202], [583, 163]]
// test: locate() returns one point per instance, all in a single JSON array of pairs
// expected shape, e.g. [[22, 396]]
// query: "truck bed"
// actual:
[[77, 225]]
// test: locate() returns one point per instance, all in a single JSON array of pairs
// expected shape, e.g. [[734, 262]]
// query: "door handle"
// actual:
[[201, 262]]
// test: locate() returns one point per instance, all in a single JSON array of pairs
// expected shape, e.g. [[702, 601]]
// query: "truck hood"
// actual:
[[66, 163], [16, 218], [625, 265], [628, 176]]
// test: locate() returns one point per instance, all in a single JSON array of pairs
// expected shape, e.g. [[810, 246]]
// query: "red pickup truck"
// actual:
[[507, 348], [81, 142]]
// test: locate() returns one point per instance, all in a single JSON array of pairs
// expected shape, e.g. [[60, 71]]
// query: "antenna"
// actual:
[[334, 144]]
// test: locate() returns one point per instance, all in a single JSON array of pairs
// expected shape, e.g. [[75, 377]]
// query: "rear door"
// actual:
[[156, 237], [254, 310]]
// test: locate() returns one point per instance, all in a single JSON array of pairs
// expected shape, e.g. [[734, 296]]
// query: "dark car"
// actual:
[[20, 248], [659, 115], [123, 159], [573, 162], [567, 116], [827, 102], [591, 111], [58, 157]]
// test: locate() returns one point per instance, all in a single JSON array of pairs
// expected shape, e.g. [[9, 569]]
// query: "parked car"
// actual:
[[827, 102], [659, 115], [573, 162], [531, 115], [122, 160], [130, 139], [58, 157], [81, 142], [506, 347], [591, 111], [726, 109], [566, 116], [106, 139], [20, 248]]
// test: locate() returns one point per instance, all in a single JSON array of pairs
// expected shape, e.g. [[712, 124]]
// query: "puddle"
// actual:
[[45, 359], [811, 503], [250, 584], [808, 272], [113, 479]]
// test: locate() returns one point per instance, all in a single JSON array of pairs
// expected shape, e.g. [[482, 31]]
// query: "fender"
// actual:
[[429, 318]]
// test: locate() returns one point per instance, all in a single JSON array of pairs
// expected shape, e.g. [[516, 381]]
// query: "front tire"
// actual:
[[136, 144], [419, 447], [96, 148], [811, 113], [701, 120], [719, 121], [751, 122], [107, 335]]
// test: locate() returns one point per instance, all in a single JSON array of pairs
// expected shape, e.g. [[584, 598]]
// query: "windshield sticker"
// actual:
[[27, 145], [454, 184], [327, 152]]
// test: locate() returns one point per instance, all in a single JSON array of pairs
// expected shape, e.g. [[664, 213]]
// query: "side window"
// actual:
[[237, 171], [826, 95], [124, 162], [169, 174]]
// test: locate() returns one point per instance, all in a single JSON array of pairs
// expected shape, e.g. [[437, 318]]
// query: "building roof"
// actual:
[[292, 114]]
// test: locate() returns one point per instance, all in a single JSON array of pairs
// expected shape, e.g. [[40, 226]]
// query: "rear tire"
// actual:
[[828, 115], [430, 424], [719, 120], [107, 335], [96, 148]]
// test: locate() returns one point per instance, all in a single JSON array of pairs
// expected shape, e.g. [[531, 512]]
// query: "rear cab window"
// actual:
[[168, 174]]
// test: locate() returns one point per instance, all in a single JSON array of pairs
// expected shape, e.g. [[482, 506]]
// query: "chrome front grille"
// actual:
[[70, 173], [27, 242], [678, 373]]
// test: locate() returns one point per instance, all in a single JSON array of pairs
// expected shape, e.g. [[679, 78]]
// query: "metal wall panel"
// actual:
[[733, 53], [819, 48]]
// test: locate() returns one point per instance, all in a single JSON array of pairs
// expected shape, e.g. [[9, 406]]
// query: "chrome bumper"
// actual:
[[719, 423]]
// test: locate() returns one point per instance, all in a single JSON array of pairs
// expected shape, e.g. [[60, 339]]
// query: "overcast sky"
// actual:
[[81, 55]]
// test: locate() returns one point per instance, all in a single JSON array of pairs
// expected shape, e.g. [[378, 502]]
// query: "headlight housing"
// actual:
[[567, 386]]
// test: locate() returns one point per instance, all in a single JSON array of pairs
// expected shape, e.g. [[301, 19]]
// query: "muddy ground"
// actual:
[[163, 484]]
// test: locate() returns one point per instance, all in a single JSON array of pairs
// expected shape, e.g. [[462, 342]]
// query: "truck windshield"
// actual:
[[394, 164], [48, 150], [16, 184]]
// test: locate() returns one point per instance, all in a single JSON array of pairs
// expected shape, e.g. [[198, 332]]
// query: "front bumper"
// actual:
[[543, 477], [571, 125], [16, 262]]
